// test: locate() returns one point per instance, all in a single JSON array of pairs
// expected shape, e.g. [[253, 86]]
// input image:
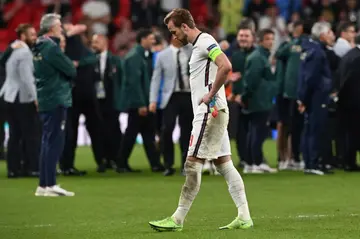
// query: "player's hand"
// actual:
[[206, 99], [237, 99], [235, 76], [152, 107], [36, 105], [16, 45], [231, 97], [301, 108], [143, 111], [76, 63]]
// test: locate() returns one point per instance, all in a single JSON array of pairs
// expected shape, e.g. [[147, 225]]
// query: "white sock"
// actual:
[[236, 188], [189, 190]]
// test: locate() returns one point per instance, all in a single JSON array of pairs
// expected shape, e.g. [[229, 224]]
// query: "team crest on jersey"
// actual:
[[296, 48], [211, 47]]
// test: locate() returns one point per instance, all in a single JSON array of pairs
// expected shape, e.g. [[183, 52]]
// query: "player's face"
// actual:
[[298, 31], [178, 32], [98, 43], [245, 38], [350, 34], [57, 29], [330, 38], [268, 41], [148, 41], [30, 37]]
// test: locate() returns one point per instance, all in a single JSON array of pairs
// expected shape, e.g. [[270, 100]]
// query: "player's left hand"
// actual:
[[206, 99]]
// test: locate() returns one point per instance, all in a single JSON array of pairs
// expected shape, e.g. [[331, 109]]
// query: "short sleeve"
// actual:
[[209, 47]]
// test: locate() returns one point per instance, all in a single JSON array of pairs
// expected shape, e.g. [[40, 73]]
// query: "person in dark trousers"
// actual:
[[107, 75], [291, 119], [314, 88], [246, 42], [331, 135], [83, 103], [53, 72], [135, 90], [349, 104], [19, 93], [172, 64], [259, 90], [2, 114]]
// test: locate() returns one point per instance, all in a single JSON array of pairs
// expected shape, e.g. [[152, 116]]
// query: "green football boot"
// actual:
[[238, 224], [166, 225]]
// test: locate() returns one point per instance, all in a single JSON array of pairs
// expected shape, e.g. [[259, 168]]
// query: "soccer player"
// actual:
[[209, 140]]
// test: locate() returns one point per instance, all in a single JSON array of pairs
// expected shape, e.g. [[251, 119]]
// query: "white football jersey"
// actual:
[[203, 73]]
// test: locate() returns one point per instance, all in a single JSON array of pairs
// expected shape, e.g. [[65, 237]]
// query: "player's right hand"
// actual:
[[143, 111], [152, 107]]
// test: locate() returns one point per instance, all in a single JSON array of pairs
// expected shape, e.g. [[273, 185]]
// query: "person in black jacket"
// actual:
[[2, 115], [327, 157], [84, 102], [349, 104]]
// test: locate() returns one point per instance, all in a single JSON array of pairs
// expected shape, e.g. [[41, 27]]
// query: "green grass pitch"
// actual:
[[283, 206]]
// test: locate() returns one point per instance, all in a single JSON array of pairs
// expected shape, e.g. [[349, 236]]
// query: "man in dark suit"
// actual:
[[349, 104], [2, 116], [172, 64], [107, 77], [313, 95], [84, 102], [135, 90]]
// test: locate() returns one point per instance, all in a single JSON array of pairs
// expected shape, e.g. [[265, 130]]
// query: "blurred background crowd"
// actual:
[[125, 30]]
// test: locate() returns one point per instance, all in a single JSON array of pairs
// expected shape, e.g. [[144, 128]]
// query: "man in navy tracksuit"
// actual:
[[313, 94]]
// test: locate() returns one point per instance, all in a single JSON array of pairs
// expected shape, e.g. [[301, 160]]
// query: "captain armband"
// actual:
[[214, 52]]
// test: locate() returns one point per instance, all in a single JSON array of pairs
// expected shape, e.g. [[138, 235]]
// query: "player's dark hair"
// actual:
[[298, 23], [180, 16], [247, 23], [143, 33], [262, 33], [22, 29], [343, 27]]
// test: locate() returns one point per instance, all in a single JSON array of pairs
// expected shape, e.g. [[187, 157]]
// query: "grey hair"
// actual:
[[320, 28], [48, 21]]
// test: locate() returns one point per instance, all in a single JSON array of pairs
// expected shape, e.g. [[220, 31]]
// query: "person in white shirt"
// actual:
[[345, 42], [209, 68]]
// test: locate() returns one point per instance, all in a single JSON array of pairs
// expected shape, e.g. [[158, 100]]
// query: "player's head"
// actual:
[[298, 28], [266, 38], [322, 31], [99, 43], [180, 22], [145, 38], [50, 24], [347, 31], [245, 37], [27, 34]]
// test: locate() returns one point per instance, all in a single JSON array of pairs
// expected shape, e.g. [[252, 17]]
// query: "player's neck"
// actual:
[[193, 35]]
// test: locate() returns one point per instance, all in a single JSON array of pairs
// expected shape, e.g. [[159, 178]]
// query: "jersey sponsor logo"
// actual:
[[211, 47]]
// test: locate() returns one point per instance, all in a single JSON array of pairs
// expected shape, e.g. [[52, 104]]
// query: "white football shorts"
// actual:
[[209, 136]]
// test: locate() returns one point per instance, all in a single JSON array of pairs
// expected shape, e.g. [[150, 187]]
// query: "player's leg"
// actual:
[[226, 168], [198, 151]]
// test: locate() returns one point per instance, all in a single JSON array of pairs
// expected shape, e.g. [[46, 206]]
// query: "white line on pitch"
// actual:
[[304, 216]]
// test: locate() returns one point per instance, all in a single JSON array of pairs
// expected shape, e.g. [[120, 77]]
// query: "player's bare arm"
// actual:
[[224, 67]]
